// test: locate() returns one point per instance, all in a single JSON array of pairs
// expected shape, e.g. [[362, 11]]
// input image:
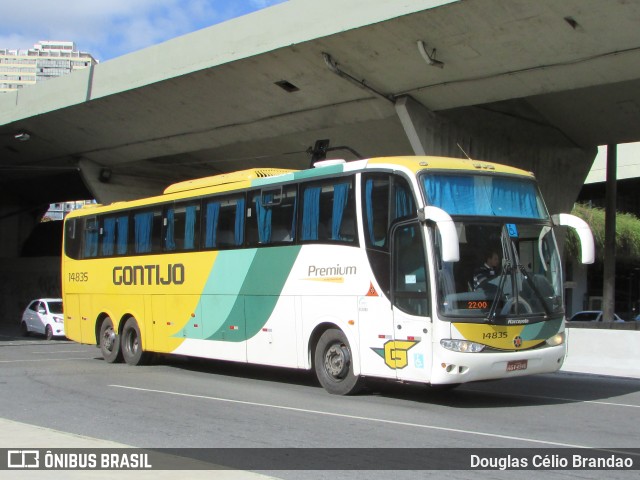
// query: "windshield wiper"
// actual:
[[535, 289], [506, 271]]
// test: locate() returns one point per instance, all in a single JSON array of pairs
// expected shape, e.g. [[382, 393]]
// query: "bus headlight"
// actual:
[[557, 339], [463, 346]]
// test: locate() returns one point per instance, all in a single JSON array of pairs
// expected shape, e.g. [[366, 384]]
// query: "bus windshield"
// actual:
[[509, 266], [505, 271]]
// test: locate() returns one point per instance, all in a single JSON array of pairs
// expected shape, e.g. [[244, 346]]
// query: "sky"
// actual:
[[111, 28]]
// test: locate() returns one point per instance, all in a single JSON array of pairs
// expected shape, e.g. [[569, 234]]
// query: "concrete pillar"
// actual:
[[108, 185], [609, 280], [523, 141], [16, 223], [26, 279], [416, 121]]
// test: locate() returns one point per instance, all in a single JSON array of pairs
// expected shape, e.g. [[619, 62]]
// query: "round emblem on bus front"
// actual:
[[517, 341]]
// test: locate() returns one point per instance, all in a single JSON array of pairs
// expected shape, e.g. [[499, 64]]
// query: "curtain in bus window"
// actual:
[[239, 226], [212, 215], [91, 239], [295, 216], [143, 225], [109, 237], [340, 199], [454, 194], [170, 238], [368, 195], [404, 202], [264, 218], [311, 213], [190, 227], [123, 235], [514, 198]]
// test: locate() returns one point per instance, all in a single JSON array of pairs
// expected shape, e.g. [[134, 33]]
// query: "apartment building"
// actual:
[[47, 59], [57, 211]]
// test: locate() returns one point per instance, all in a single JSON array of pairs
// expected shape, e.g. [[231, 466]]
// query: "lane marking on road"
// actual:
[[542, 397], [34, 343], [354, 417], [58, 351], [32, 360]]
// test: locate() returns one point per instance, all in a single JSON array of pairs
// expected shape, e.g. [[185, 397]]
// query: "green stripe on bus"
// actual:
[[242, 291], [261, 296], [541, 330]]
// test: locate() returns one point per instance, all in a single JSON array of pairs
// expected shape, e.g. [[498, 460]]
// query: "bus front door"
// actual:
[[411, 348]]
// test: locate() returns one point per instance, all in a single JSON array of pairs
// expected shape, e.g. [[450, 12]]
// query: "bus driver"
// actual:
[[488, 270]]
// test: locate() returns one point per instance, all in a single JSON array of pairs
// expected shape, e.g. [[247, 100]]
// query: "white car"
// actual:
[[44, 316], [593, 316]]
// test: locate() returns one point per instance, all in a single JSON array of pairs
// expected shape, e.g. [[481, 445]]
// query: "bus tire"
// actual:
[[109, 342], [131, 343], [333, 364]]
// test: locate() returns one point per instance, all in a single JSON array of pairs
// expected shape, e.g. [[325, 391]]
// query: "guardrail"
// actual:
[[603, 348], [605, 325]]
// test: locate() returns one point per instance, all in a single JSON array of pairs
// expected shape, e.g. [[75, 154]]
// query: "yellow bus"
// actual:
[[418, 269]]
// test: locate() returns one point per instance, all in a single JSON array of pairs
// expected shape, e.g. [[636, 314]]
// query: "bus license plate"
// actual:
[[516, 365]]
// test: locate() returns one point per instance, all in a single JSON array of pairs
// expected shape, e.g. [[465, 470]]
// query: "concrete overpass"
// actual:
[[533, 84]]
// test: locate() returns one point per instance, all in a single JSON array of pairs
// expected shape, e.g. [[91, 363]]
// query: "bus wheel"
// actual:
[[132, 344], [333, 364], [109, 342]]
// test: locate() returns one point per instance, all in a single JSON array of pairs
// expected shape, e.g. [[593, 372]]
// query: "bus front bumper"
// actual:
[[456, 367]]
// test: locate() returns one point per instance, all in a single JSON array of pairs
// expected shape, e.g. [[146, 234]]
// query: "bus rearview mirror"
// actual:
[[582, 230], [449, 246]]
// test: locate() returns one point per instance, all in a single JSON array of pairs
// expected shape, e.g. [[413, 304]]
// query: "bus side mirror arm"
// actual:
[[582, 230], [448, 234]]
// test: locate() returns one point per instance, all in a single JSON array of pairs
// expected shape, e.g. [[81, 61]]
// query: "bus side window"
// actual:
[[147, 231], [274, 218], [224, 219], [284, 216], [91, 234], [181, 227], [386, 198], [328, 211], [376, 209], [72, 238], [112, 235], [259, 218], [108, 237], [402, 203], [122, 234]]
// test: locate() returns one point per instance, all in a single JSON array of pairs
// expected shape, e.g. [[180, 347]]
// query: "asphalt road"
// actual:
[[177, 402]]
